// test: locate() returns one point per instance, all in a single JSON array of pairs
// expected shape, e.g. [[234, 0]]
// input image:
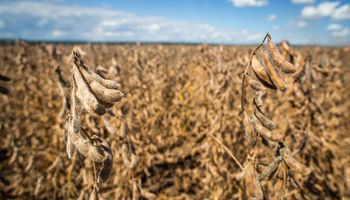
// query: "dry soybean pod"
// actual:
[[88, 99], [272, 72], [285, 46], [261, 74], [265, 121], [292, 163], [266, 133], [270, 168], [104, 94], [259, 88], [253, 185], [286, 66], [75, 108], [259, 97], [255, 85], [249, 129], [83, 144], [90, 75]]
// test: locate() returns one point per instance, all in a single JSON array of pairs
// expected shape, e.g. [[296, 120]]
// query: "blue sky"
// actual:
[[214, 21]]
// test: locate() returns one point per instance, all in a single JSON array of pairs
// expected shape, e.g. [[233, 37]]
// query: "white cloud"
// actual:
[[272, 17], [154, 27], [322, 10], [2, 24], [303, 1], [327, 9], [334, 27], [63, 21], [301, 24], [54, 11], [341, 33], [343, 12], [338, 30], [57, 33], [249, 3]]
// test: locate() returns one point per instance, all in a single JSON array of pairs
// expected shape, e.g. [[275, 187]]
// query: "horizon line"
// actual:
[[135, 42]]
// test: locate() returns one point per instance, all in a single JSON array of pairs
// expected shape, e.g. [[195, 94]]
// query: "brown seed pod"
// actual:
[[292, 163], [90, 75], [266, 133], [255, 85], [105, 95], [272, 72], [286, 47], [254, 189], [75, 109], [258, 98], [261, 74], [302, 64], [249, 129], [270, 168], [83, 144], [286, 66], [85, 95], [265, 121]]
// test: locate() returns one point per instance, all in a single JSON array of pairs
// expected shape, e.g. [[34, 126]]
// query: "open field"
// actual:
[[175, 96]]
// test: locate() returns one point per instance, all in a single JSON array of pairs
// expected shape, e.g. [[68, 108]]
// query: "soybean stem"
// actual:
[[227, 150]]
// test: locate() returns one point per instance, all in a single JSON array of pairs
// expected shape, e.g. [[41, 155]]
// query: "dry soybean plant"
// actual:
[[95, 95], [266, 145]]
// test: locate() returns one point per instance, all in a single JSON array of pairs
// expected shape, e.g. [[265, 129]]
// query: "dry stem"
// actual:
[[227, 150]]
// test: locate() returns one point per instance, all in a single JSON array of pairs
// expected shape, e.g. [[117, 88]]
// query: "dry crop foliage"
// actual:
[[174, 94]]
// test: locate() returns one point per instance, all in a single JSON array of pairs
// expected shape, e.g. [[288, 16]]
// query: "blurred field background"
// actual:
[[182, 80], [173, 95]]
